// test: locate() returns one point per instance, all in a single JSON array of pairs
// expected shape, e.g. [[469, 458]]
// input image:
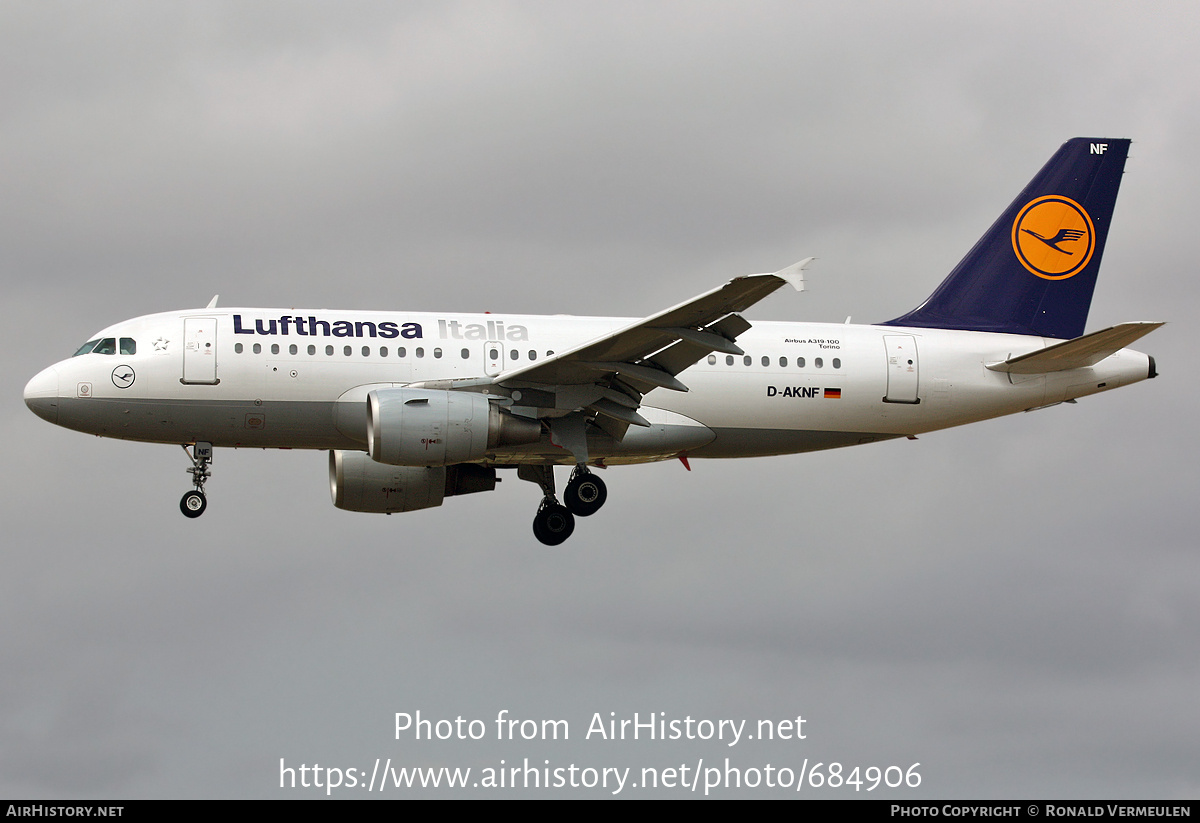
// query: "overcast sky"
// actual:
[[1012, 604]]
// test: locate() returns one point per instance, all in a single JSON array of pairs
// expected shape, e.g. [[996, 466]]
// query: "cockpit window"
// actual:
[[86, 347], [107, 346], [128, 345]]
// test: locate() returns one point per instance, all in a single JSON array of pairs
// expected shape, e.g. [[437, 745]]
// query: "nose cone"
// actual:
[[41, 395]]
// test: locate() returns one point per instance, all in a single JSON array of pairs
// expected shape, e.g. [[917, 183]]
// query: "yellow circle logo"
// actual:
[[1053, 237]]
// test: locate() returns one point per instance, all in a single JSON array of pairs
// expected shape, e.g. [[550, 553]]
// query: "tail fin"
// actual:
[[1035, 269]]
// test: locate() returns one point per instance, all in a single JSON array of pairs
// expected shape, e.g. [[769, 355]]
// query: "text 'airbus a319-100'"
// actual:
[[417, 407]]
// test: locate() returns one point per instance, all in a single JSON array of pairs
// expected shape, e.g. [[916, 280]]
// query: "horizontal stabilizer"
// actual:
[[1078, 353]]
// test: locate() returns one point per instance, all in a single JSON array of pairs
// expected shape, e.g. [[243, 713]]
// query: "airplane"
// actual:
[[418, 407]]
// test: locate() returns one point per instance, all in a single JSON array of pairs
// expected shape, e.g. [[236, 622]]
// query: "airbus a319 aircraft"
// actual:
[[417, 407]]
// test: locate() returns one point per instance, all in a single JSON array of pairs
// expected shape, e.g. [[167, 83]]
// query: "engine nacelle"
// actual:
[[359, 484], [429, 427]]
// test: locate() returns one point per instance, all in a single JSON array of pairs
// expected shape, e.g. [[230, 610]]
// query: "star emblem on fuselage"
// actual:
[[161, 344]]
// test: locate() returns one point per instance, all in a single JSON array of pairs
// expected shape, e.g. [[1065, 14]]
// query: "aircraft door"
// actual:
[[493, 357], [200, 350], [902, 368]]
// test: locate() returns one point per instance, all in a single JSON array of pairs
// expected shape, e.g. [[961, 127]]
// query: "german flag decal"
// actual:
[[833, 394]]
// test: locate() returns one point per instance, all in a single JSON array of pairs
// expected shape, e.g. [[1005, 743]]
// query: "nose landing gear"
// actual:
[[194, 502]]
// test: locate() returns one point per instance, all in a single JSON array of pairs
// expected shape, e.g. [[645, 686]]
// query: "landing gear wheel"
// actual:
[[193, 504], [553, 523], [585, 493]]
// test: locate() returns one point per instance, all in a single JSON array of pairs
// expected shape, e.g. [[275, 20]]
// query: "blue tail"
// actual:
[[1035, 269]]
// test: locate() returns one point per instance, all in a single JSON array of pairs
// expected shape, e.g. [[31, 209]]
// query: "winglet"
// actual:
[[212, 304], [793, 275]]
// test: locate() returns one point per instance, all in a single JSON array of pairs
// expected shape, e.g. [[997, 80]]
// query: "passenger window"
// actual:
[[466, 354], [766, 360], [437, 353], [532, 354], [729, 360], [292, 349], [274, 348], [837, 364], [383, 351], [86, 348], [712, 360], [347, 351], [514, 354], [783, 362], [258, 348], [237, 347], [420, 352], [401, 352], [312, 349], [107, 346], [818, 362], [366, 351], [329, 351], [747, 360], [799, 362], [128, 345]]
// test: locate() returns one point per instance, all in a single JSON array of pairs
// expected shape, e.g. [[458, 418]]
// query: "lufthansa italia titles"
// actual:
[[313, 326]]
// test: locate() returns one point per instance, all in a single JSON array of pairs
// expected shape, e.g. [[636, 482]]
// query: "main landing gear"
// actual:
[[585, 492], [553, 522], [584, 495], [194, 502]]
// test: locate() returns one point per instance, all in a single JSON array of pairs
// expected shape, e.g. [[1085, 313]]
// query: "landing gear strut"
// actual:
[[194, 502], [585, 492], [553, 522]]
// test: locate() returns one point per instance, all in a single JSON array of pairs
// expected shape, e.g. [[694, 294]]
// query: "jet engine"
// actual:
[[429, 427], [359, 484]]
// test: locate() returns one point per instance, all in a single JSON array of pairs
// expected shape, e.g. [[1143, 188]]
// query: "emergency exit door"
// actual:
[[493, 357]]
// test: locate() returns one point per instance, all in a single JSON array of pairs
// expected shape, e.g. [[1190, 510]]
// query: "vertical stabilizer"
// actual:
[[1035, 269]]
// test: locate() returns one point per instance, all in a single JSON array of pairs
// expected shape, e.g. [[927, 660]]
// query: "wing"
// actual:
[[609, 375]]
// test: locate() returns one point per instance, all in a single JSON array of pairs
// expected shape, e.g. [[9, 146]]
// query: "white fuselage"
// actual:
[[285, 378]]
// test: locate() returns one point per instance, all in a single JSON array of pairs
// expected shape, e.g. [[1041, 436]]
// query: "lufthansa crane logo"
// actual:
[[123, 377], [1053, 237]]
